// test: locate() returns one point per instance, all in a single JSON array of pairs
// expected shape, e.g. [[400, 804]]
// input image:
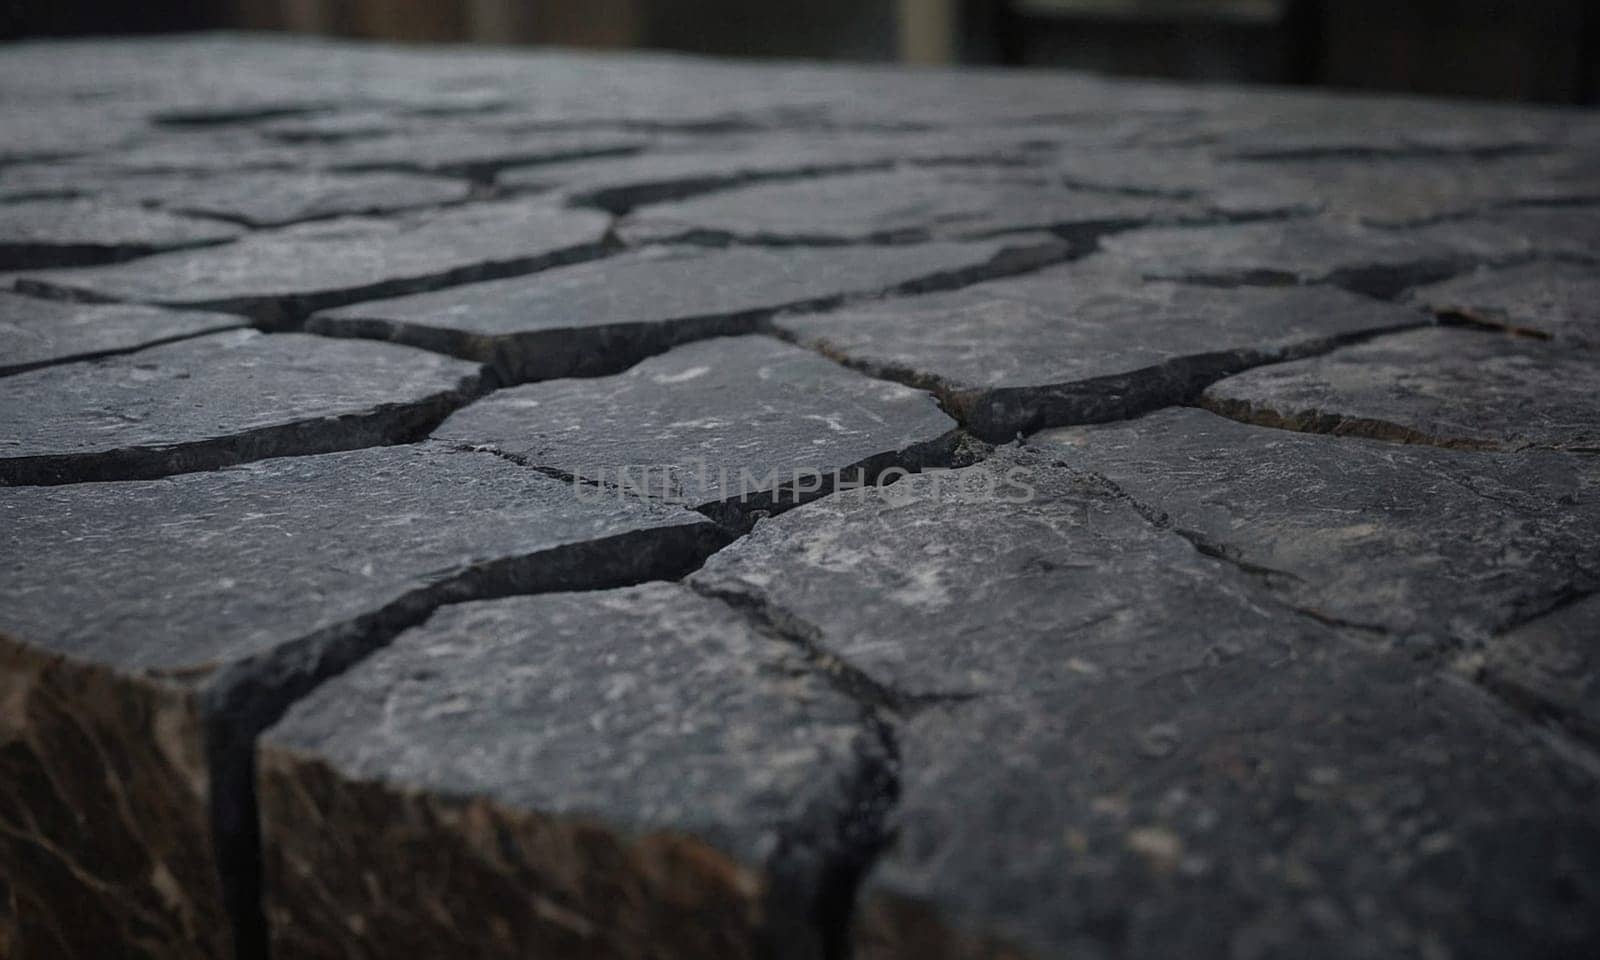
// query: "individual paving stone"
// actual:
[[474, 154], [1418, 541], [220, 399], [35, 333], [275, 198], [156, 626], [1448, 387], [1550, 666], [1379, 262], [280, 275], [896, 205], [1322, 803], [1383, 193], [1551, 299], [645, 775], [64, 233], [1011, 577], [1084, 342], [1559, 232], [619, 184], [730, 426], [602, 317]]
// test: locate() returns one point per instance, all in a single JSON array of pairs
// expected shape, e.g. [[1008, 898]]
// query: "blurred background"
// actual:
[[1534, 50]]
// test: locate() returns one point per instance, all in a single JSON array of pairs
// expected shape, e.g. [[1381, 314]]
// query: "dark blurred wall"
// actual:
[[1543, 50]]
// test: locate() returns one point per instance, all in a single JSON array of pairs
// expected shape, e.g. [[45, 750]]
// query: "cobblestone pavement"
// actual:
[[488, 504]]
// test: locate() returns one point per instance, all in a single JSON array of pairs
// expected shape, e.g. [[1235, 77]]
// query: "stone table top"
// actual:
[[533, 503]]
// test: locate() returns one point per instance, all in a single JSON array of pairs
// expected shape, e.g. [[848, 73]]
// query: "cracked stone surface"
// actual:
[[1392, 193], [279, 275], [163, 622], [622, 183], [272, 198], [896, 205], [731, 425], [1311, 803], [1320, 250], [583, 800], [1551, 299], [600, 317], [1084, 342], [302, 342], [133, 416], [1129, 823], [1442, 386], [36, 333], [1549, 666], [1423, 543], [66, 233]]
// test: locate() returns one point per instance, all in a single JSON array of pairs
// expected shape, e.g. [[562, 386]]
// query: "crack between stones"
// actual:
[[623, 199], [389, 424], [247, 697], [533, 356], [1000, 414], [276, 313], [7, 371], [50, 256]]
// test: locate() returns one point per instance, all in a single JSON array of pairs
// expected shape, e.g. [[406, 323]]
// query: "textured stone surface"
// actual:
[[1109, 743], [274, 198], [1084, 342], [971, 582], [732, 425], [35, 332], [1308, 803], [65, 233], [899, 205], [1380, 262], [601, 317], [155, 626], [1262, 693], [559, 785], [1551, 299], [622, 183], [1551, 666], [1449, 387], [220, 399], [281, 275], [1423, 543], [1393, 193]]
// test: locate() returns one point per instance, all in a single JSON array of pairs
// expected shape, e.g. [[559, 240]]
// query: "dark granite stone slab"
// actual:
[[1421, 542], [1110, 743], [1084, 342], [280, 275], [1550, 666], [1557, 300], [36, 333], [1394, 192], [1322, 250], [621, 183], [1316, 803], [602, 317], [149, 629], [1460, 388], [474, 154], [647, 775], [1004, 579], [65, 233], [893, 206], [277, 198], [731, 426], [220, 399]]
